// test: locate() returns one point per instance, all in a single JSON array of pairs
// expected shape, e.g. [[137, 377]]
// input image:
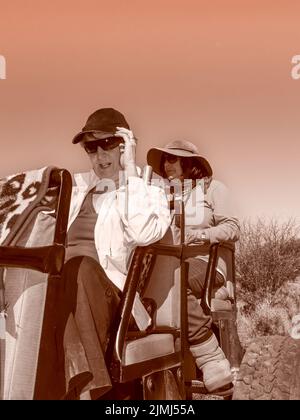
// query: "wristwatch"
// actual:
[[203, 236]]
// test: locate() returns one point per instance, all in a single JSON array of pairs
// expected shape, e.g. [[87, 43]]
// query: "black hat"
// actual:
[[106, 120]]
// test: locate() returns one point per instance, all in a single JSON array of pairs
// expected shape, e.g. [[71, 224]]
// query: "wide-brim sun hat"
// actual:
[[180, 148]]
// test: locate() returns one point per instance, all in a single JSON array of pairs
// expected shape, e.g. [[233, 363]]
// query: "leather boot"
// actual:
[[211, 360]]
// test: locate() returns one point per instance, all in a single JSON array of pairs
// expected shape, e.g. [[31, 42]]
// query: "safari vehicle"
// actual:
[[160, 356], [151, 364]]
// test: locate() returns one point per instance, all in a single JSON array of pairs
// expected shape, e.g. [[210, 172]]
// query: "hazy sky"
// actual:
[[217, 73]]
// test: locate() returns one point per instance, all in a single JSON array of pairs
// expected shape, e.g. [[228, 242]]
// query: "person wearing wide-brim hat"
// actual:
[[185, 150], [213, 222]]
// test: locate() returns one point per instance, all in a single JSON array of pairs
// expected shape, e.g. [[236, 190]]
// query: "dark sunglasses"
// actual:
[[105, 144], [170, 158]]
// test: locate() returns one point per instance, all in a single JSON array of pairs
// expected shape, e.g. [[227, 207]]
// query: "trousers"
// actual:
[[199, 324], [87, 304]]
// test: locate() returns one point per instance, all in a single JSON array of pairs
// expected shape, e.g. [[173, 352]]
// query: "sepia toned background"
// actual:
[[213, 72]]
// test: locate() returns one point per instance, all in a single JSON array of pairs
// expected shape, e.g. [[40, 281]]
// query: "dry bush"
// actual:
[[268, 262], [268, 256], [265, 319]]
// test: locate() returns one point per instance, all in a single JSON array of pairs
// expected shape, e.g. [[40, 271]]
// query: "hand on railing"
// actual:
[[196, 237]]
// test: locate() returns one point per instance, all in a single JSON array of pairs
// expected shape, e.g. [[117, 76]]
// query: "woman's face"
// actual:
[[172, 167]]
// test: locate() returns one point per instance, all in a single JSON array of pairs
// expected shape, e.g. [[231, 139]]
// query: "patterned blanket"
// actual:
[[20, 197]]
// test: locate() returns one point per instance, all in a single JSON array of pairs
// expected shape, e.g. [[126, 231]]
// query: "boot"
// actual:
[[211, 360], [221, 293]]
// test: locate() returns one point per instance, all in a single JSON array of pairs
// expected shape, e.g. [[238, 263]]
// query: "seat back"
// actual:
[[164, 287], [163, 284], [25, 294]]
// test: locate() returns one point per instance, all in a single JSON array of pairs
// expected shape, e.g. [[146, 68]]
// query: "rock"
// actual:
[[288, 296]]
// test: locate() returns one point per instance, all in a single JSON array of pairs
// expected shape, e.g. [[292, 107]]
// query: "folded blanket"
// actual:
[[20, 195]]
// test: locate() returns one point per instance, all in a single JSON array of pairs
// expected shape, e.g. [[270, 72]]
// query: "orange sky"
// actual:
[[213, 72]]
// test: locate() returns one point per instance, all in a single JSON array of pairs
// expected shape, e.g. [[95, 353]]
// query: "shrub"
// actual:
[[266, 319], [271, 316], [268, 256]]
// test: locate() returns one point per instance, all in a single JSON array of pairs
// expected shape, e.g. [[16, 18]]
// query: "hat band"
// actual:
[[181, 150]]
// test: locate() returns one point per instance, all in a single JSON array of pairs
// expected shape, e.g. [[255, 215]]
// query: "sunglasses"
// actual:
[[170, 158], [106, 144]]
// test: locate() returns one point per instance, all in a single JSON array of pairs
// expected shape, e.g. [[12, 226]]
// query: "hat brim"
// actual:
[[154, 157], [78, 137]]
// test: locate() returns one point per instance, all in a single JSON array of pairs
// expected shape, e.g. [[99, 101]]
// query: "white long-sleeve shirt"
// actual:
[[133, 215]]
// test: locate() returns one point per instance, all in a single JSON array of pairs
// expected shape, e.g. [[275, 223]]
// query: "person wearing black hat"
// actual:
[[112, 211], [208, 219]]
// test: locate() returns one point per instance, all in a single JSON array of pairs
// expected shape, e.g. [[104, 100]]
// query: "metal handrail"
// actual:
[[182, 252]]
